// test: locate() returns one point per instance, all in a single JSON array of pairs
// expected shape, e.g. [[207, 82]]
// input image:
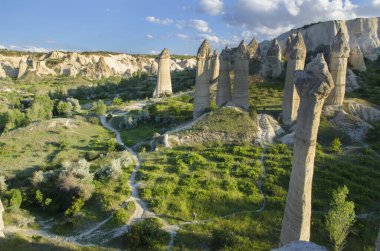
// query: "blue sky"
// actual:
[[147, 26]]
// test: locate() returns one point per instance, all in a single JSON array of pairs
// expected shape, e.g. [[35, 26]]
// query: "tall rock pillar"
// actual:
[[254, 57], [21, 68], [215, 67], [202, 80], [223, 94], [296, 55], [164, 82], [339, 52], [241, 69], [273, 66], [313, 86], [1, 219]]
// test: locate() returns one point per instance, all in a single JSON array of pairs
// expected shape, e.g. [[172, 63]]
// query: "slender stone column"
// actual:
[[1, 219], [296, 55], [241, 69], [223, 94], [313, 86], [215, 67], [339, 51], [202, 80], [273, 58], [164, 82]]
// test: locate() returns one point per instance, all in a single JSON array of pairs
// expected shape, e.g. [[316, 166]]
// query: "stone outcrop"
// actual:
[[22, 68], [240, 94], [254, 57], [223, 94], [215, 66], [300, 246], [75, 64], [296, 55], [339, 52], [356, 59], [164, 82], [362, 32], [202, 80], [273, 60], [351, 81], [313, 86], [267, 129], [362, 110], [1, 219]]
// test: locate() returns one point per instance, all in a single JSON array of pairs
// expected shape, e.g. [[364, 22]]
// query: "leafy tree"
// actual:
[[12, 119], [16, 199], [64, 108], [146, 234], [336, 146], [99, 107], [340, 217], [41, 109], [117, 101]]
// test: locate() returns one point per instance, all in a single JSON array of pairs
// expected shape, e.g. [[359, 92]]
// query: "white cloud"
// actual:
[[30, 48], [154, 52], [376, 2], [211, 38], [211, 7], [272, 17], [148, 36], [2, 47], [165, 21], [198, 24]]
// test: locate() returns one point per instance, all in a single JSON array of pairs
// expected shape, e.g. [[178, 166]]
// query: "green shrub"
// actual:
[[336, 146], [99, 107], [16, 199], [65, 108], [41, 109], [340, 218], [147, 234]]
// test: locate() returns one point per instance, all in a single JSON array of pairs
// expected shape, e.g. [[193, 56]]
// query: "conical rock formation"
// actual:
[[223, 94], [164, 82], [273, 63], [356, 59], [241, 67]]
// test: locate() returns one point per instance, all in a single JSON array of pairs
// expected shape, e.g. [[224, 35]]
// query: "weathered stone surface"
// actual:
[[363, 110], [202, 80], [339, 52], [351, 81], [164, 82], [22, 68], [223, 94], [215, 67], [1, 219], [240, 94], [273, 62], [267, 129], [377, 245], [356, 59], [313, 86], [296, 55], [300, 246], [362, 32], [254, 57]]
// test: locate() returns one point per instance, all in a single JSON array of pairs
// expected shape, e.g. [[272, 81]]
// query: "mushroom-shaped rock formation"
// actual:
[[241, 67], [339, 52], [164, 82], [296, 55], [314, 84], [202, 80], [223, 94]]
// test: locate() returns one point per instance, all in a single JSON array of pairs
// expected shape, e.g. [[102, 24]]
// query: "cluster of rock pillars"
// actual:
[[307, 89]]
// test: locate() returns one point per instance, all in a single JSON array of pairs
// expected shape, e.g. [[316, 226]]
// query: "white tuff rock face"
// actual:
[[267, 129], [366, 112], [356, 59], [85, 64], [164, 82], [296, 55], [362, 32], [313, 86], [351, 81], [301, 246], [215, 67]]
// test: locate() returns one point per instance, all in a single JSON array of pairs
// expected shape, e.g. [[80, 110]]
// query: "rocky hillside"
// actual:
[[88, 65], [362, 32]]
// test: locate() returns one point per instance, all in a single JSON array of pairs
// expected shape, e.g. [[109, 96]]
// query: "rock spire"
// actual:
[[241, 67], [164, 82]]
